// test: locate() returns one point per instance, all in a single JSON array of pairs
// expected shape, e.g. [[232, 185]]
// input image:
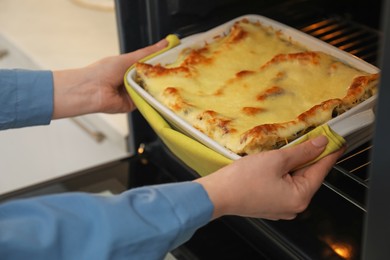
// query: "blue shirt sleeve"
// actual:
[[26, 98], [142, 223]]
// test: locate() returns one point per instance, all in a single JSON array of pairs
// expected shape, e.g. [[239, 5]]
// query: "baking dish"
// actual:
[[195, 148]]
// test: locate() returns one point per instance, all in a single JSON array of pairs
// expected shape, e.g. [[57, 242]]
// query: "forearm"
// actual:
[[215, 185], [74, 93]]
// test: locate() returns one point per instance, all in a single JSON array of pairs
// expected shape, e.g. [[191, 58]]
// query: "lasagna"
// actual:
[[255, 89]]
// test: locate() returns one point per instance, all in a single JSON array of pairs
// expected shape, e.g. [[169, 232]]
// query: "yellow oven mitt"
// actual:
[[336, 141], [194, 154]]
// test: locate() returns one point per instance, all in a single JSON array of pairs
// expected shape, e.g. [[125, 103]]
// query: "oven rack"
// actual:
[[348, 36], [350, 176]]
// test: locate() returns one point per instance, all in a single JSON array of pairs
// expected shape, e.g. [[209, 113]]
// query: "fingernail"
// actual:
[[320, 141]]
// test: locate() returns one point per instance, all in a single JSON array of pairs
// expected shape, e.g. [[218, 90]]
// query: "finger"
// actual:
[[303, 153], [141, 53], [315, 174], [322, 166], [328, 161]]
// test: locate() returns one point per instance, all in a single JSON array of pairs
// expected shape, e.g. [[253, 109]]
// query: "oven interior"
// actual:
[[332, 226]]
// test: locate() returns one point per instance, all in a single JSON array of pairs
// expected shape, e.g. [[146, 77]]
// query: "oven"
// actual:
[[348, 217]]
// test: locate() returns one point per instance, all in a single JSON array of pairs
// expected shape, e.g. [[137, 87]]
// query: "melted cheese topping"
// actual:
[[254, 90]]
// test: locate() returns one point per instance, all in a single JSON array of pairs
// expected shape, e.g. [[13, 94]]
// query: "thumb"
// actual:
[[305, 152], [141, 53]]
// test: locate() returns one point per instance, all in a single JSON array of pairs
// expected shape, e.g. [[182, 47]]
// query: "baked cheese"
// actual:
[[255, 89]]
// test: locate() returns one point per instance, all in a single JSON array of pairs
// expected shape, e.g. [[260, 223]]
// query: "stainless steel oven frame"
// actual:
[[377, 227]]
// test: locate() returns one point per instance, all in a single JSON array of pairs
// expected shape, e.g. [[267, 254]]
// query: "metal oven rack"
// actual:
[[350, 177]]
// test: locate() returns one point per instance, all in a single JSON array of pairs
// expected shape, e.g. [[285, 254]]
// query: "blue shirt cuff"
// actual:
[[192, 207], [26, 98]]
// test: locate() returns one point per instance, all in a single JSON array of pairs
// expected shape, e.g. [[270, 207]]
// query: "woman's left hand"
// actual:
[[98, 87]]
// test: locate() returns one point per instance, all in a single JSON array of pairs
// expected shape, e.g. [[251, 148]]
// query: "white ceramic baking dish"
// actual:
[[356, 136]]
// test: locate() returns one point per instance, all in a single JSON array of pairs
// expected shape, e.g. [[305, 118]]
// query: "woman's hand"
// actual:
[[263, 185], [98, 87]]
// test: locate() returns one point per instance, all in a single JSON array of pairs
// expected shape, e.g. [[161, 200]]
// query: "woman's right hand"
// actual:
[[264, 185]]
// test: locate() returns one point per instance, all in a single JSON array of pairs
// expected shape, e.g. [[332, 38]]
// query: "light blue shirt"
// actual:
[[142, 223]]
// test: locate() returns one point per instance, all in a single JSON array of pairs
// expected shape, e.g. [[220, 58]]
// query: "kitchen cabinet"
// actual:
[[57, 34]]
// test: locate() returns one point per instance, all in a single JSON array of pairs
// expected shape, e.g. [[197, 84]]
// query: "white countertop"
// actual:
[[60, 34]]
